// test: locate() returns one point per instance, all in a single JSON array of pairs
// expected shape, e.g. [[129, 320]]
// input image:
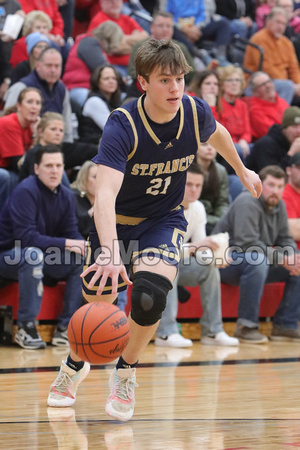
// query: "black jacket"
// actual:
[[270, 149]]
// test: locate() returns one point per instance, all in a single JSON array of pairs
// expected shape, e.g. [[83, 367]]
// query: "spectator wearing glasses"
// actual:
[[234, 113], [266, 107]]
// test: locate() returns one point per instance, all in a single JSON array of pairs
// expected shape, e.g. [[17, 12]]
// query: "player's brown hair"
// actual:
[[160, 53]]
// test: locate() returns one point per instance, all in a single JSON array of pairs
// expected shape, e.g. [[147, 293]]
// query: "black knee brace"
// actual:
[[148, 297]]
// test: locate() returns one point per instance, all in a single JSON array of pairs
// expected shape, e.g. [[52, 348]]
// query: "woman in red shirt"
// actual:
[[234, 113], [17, 127]]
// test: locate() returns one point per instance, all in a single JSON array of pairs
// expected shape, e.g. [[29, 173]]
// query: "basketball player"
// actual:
[[145, 150]]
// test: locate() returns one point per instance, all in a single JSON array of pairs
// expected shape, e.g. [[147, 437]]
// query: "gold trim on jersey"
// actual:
[[127, 220], [196, 123], [130, 119], [149, 129]]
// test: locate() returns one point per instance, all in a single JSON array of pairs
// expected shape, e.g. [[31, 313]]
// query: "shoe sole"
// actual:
[[117, 415], [219, 344], [60, 342], [284, 339], [40, 346], [163, 344], [250, 341]]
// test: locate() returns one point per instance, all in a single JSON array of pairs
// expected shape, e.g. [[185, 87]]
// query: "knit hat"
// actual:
[[291, 116], [34, 38], [295, 159]]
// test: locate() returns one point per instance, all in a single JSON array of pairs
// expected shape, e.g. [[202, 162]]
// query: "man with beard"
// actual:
[[262, 252]]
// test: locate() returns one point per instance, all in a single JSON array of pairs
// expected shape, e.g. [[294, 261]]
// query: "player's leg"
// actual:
[[148, 300], [73, 370], [154, 269]]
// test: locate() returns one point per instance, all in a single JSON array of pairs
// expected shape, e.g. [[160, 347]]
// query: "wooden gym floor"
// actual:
[[210, 398]]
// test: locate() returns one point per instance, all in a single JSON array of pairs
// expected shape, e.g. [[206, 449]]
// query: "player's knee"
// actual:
[[148, 297]]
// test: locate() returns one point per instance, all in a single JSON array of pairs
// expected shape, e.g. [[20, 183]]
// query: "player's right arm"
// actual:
[[108, 263]]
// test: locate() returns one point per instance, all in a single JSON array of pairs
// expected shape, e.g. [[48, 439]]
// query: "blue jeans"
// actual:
[[79, 95], [251, 279], [207, 277], [28, 266], [239, 27]]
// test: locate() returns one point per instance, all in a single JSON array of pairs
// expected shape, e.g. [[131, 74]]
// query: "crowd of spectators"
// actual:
[[73, 63]]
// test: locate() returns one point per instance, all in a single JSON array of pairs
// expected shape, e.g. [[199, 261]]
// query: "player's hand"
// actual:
[[251, 181], [105, 268]]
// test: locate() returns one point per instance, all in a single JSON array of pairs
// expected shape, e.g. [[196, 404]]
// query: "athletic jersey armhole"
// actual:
[[130, 120], [196, 122]]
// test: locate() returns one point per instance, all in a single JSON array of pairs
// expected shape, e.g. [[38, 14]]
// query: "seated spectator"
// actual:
[[162, 27], [38, 224], [266, 107], [234, 113], [291, 197], [37, 21], [6, 44], [198, 22], [192, 273], [133, 32], [49, 7], [84, 190], [50, 130], [35, 44], [293, 28], [17, 127], [104, 96], [240, 14], [46, 76], [262, 12], [215, 189], [205, 85], [267, 254], [280, 61], [85, 55], [279, 145]]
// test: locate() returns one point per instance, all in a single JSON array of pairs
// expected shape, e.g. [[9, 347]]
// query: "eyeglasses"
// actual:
[[257, 86], [233, 80]]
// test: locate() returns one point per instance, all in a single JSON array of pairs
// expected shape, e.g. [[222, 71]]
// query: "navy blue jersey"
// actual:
[[154, 170]]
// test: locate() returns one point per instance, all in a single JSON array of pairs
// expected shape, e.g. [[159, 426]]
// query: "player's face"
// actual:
[[164, 92], [193, 187], [30, 107], [272, 190], [206, 153], [50, 170], [210, 86], [108, 82], [91, 181], [53, 133]]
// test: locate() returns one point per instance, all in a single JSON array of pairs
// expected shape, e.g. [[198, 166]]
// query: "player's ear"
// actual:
[[142, 82]]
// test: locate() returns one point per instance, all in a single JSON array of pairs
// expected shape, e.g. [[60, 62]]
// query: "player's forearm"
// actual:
[[105, 221], [222, 142]]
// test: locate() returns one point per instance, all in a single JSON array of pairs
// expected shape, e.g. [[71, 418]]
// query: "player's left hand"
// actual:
[[251, 181]]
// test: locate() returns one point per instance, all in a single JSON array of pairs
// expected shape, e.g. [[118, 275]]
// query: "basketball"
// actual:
[[98, 332]]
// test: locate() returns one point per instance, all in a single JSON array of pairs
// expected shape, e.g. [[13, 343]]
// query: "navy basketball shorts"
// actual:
[[142, 240]]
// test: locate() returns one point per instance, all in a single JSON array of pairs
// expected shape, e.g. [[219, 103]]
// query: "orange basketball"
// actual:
[[98, 332]]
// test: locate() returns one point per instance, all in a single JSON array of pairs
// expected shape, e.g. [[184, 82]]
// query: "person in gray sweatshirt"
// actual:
[[262, 251]]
